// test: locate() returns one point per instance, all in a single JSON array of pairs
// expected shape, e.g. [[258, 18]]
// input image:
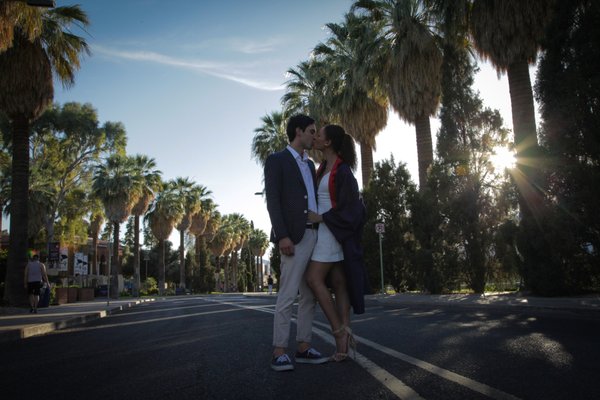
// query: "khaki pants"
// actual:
[[291, 281]]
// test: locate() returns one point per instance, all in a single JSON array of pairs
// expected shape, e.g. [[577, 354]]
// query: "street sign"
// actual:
[[53, 252], [380, 228]]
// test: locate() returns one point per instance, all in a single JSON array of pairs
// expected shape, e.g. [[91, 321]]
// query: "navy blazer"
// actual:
[[287, 198]]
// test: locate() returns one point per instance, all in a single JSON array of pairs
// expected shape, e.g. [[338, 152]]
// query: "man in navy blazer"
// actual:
[[291, 192]]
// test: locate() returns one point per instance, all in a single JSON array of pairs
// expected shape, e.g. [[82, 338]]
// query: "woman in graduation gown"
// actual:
[[337, 260]]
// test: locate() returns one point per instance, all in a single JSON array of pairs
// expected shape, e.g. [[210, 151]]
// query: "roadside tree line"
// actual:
[[470, 221], [64, 175]]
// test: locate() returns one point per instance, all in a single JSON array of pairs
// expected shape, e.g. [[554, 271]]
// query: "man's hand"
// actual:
[[286, 246], [313, 217]]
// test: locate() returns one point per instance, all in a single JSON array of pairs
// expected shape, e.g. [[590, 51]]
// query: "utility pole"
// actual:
[[380, 229]]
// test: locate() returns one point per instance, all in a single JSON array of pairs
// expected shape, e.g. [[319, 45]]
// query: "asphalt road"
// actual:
[[218, 347]]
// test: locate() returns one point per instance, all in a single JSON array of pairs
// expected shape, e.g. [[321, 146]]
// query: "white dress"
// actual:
[[327, 249]]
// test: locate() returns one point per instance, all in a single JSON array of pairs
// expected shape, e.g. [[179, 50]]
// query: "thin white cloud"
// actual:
[[238, 45], [255, 47], [218, 69]]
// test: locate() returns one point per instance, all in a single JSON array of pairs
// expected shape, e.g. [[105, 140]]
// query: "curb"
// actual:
[[47, 327]]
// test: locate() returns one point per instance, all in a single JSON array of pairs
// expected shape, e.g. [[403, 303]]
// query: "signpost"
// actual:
[[380, 229], [53, 255]]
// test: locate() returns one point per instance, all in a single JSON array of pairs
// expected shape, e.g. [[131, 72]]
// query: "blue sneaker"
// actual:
[[282, 363], [310, 356]]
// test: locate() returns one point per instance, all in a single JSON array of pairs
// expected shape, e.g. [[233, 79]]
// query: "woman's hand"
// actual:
[[313, 217]]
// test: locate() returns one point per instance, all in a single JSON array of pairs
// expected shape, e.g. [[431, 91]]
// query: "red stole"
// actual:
[[331, 181]]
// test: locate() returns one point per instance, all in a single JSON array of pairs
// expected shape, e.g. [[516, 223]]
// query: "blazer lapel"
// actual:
[[294, 165], [313, 173]]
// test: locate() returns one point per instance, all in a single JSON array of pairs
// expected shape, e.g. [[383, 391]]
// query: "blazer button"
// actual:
[[305, 212], [305, 196]]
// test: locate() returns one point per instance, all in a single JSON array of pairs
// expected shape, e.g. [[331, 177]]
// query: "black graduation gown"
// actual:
[[346, 221]]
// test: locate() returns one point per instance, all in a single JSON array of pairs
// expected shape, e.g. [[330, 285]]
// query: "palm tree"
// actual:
[[117, 186], [34, 45], [150, 184], [307, 91], [219, 245], [258, 244], [165, 212], [412, 74], [200, 224], [241, 232], [508, 33], [96, 221], [190, 194], [270, 137], [358, 102]]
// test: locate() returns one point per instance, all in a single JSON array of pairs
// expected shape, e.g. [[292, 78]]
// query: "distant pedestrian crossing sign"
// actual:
[[379, 228]]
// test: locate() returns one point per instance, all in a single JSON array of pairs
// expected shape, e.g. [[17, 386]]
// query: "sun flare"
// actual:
[[502, 158]]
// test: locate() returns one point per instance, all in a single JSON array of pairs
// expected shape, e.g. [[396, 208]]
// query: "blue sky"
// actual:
[[191, 79]]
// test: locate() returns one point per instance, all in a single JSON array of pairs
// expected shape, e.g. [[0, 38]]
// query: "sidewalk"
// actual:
[[18, 323], [493, 300]]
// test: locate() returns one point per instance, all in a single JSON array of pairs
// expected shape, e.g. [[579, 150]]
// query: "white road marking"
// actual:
[[395, 385], [398, 387], [441, 372]]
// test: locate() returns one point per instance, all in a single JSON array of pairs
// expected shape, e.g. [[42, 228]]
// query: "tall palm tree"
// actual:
[[241, 232], [96, 221], [307, 91], [150, 182], [270, 137], [258, 244], [34, 45], [212, 226], [508, 33], [191, 195], [165, 212], [358, 102], [220, 245], [412, 74], [117, 186], [200, 224]]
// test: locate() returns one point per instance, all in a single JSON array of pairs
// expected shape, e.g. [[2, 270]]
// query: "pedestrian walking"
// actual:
[[270, 284], [35, 274]]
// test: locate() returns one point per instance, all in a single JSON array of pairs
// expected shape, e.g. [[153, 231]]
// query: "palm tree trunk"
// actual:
[[181, 259], [161, 274], [197, 249], [136, 254], [116, 265], [424, 148], [14, 293], [366, 163], [95, 270], [225, 275], [260, 273], [526, 143], [257, 274], [234, 269]]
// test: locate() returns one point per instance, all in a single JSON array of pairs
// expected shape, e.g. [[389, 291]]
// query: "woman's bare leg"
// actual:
[[315, 277], [340, 289]]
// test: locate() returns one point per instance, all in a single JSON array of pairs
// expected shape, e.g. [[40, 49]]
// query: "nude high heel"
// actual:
[[350, 343]]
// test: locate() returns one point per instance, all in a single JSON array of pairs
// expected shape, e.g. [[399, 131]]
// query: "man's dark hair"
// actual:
[[297, 121]]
